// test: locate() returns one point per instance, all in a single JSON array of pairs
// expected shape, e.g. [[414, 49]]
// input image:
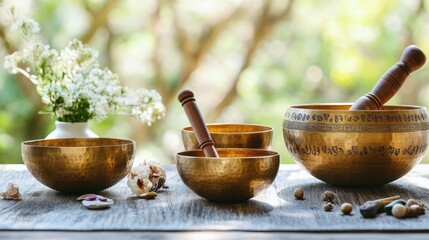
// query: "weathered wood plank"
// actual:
[[179, 209], [198, 235]]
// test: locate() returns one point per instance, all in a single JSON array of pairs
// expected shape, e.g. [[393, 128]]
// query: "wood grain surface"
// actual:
[[205, 235], [179, 209]]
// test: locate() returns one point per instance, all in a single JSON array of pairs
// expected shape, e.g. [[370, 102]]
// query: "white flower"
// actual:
[[146, 105], [139, 186], [146, 176], [11, 63], [28, 27], [74, 86]]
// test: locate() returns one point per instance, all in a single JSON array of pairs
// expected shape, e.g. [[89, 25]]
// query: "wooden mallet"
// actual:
[[186, 98], [412, 59]]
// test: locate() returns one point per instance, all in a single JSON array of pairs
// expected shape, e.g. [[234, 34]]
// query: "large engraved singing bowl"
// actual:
[[232, 136], [78, 165], [236, 176], [356, 148]]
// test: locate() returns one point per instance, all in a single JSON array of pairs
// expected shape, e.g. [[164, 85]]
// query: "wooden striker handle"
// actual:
[[412, 59], [186, 98]]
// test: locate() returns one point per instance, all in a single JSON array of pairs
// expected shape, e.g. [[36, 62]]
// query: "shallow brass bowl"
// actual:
[[356, 148], [236, 176], [232, 136], [78, 165]]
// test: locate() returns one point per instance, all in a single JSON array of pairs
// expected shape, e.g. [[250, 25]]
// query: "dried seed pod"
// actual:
[[346, 208], [401, 211], [417, 209], [148, 195], [12, 192], [161, 182], [411, 202], [328, 206], [328, 196], [298, 193]]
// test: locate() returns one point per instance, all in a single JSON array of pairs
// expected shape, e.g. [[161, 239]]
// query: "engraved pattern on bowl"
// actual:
[[356, 148]]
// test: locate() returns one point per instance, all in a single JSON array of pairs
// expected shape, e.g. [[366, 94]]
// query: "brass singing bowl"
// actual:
[[78, 165], [232, 136], [356, 148], [236, 176]]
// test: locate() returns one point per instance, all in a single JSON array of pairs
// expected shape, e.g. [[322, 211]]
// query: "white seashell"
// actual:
[[97, 204]]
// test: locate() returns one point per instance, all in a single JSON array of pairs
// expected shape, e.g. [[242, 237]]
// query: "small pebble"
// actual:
[[370, 208], [103, 199], [399, 211], [97, 204], [90, 197], [388, 207], [328, 196], [346, 208], [298, 193], [327, 206], [81, 198]]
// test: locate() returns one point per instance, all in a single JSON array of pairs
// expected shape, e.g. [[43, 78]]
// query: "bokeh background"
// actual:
[[245, 60]]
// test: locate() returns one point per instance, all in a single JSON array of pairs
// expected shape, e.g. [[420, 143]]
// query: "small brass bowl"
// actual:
[[236, 176], [356, 148], [78, 165], [232, 136]]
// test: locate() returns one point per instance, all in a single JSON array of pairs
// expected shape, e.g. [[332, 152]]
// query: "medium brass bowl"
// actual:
[[356, 148], [236, 176], [232, 136], [78, 165]]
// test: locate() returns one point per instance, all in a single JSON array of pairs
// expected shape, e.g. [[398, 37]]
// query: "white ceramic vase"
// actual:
[[71, 130]]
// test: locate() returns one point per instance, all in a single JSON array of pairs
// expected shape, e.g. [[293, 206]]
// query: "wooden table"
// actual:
[[177, 213]]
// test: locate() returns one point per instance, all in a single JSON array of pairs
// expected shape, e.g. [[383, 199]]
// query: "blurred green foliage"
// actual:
[[261, 62]]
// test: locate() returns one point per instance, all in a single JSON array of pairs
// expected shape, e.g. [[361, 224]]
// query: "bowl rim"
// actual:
[[266, 128], [402, 107], [270, 153], [31, 143]]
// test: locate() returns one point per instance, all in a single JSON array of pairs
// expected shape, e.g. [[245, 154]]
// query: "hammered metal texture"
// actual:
[[232, 136], [236, 176], [356, 148], [78, 165]]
